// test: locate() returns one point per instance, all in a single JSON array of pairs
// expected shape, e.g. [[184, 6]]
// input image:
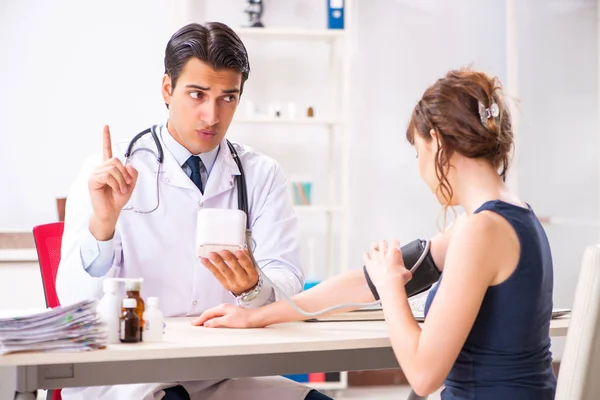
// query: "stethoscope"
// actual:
[[240, 179]]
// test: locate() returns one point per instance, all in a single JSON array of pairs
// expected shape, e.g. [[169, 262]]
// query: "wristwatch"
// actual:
[[251, 293]]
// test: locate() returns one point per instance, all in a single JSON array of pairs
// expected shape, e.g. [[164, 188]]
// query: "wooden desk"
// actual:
[[196, 353]]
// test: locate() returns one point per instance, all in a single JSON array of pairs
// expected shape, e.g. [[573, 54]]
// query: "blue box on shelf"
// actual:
[[335, 14]]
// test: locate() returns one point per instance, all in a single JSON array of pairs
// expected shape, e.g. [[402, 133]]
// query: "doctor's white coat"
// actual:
[[159, 247]]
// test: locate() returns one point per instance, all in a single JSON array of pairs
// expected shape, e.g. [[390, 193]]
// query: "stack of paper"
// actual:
[[70, 328]]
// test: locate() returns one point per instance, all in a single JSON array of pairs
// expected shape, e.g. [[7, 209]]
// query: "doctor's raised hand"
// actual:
[[110, 185]]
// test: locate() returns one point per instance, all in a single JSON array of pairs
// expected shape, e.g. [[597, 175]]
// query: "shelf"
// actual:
[[291, 33], [288, 121], [327, 385], [328, 215], [18, 255], [317, 208]]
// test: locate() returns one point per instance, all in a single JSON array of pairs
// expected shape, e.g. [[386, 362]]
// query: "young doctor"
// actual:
[[486, 332], [137, 218]]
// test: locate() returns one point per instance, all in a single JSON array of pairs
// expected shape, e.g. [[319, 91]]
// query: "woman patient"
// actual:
[[486, 331]]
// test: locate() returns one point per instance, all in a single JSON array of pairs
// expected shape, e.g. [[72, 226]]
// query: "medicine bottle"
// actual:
[[153, 321], [130, 322], [133, 288], [109, 309]]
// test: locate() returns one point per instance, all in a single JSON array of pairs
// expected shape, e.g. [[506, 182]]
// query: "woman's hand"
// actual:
[[385, 264], [228, 316]]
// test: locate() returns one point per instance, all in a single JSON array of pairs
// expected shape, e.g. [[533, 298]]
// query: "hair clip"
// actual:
[[487, 113]]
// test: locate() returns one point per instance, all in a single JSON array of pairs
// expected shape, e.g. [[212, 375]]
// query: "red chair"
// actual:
[[48, 240]]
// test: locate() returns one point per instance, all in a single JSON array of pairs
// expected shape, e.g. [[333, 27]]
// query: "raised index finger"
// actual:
[[106, 144]]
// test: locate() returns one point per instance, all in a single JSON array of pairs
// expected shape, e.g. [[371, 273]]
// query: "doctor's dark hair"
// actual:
[[213, 43], [451, 107]]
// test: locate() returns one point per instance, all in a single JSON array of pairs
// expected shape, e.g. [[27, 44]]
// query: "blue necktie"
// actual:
[[194, 163]]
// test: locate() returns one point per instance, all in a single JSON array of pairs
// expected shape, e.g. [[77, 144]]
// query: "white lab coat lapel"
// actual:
[[174, 174], [222, 176]]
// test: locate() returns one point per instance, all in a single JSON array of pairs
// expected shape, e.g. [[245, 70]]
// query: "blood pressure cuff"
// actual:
[[422, 278]]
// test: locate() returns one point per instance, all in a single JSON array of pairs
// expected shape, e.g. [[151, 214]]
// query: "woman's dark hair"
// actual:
[[467, 110], [213, 43]]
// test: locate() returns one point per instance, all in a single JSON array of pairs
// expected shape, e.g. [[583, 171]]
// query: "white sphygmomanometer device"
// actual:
[[220, 229], [226, 229]]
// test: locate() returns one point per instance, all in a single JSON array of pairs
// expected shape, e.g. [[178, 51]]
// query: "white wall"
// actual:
[[404, 47], [558, 140], [21, 286], [68, 67]]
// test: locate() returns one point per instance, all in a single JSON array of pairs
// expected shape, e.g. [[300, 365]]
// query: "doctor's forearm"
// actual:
[[350, 287], [102, 229], [96, 256]]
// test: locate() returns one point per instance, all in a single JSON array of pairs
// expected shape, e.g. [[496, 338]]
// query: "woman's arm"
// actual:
[[478, 251], [350, 287], [440, 242]]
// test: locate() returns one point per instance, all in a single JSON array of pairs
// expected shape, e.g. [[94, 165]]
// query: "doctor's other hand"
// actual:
[[228, 316], [110, 186], [385, 264], [236, 272]]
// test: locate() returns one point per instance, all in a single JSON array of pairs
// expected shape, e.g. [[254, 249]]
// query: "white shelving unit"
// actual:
[[293, 34], [336, 207], [337, 175]]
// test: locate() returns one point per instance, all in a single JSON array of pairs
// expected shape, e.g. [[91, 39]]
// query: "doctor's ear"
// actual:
[[167, 89]]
